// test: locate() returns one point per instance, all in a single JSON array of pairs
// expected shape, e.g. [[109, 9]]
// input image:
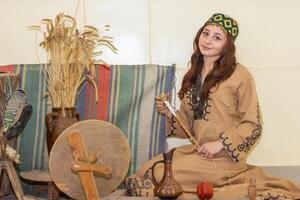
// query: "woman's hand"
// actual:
[[160, 105], [209, 149]]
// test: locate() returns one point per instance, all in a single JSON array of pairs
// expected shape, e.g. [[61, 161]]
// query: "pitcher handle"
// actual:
[[152, 170]]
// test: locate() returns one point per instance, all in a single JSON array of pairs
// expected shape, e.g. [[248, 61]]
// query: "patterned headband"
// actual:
[[226, 23]]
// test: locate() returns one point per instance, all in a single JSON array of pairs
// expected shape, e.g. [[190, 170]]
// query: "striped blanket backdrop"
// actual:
[[126, 99]]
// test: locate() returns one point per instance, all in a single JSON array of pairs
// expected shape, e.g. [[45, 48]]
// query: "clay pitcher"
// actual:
[[57, 121], [168, 187]]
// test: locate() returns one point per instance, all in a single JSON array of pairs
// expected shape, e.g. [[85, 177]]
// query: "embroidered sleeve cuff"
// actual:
[[171, 126], [228, 146], [249, 143]]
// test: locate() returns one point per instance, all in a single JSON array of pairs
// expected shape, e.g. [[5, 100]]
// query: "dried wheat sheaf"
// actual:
[[71, 53]]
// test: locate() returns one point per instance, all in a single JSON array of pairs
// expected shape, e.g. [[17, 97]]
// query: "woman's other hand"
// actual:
[[209, 149]]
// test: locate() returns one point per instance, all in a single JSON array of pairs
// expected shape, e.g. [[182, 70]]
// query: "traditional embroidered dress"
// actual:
[[231, 114]]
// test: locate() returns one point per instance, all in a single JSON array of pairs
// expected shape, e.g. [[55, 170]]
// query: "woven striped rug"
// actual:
[[126, 99]]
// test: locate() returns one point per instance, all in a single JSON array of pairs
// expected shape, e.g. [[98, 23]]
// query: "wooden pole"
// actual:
[[192, 139]]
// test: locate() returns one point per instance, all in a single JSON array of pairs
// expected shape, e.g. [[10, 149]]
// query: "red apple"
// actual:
[[205, 190]]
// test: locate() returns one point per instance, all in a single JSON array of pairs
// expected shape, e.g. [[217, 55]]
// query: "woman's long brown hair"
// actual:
[[223, 68]]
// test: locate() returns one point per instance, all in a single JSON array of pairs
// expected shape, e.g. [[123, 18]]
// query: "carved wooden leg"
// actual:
[[53, 191], [13, 178]]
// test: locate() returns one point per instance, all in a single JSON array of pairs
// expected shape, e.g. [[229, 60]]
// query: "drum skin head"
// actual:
[[106, 142]]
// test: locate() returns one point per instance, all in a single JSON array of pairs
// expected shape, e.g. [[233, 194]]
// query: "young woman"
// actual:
[[219, 106]]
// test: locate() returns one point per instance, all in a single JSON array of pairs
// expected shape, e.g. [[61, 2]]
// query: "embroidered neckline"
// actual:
[[200, 108]]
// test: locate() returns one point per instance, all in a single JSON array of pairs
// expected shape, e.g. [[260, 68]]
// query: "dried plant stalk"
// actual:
[[71, 56]]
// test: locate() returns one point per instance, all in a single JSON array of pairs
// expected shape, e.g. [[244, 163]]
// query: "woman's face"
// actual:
[[212, 41]]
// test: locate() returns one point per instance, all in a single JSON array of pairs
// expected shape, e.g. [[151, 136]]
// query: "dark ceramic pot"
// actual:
[[57, 121]]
